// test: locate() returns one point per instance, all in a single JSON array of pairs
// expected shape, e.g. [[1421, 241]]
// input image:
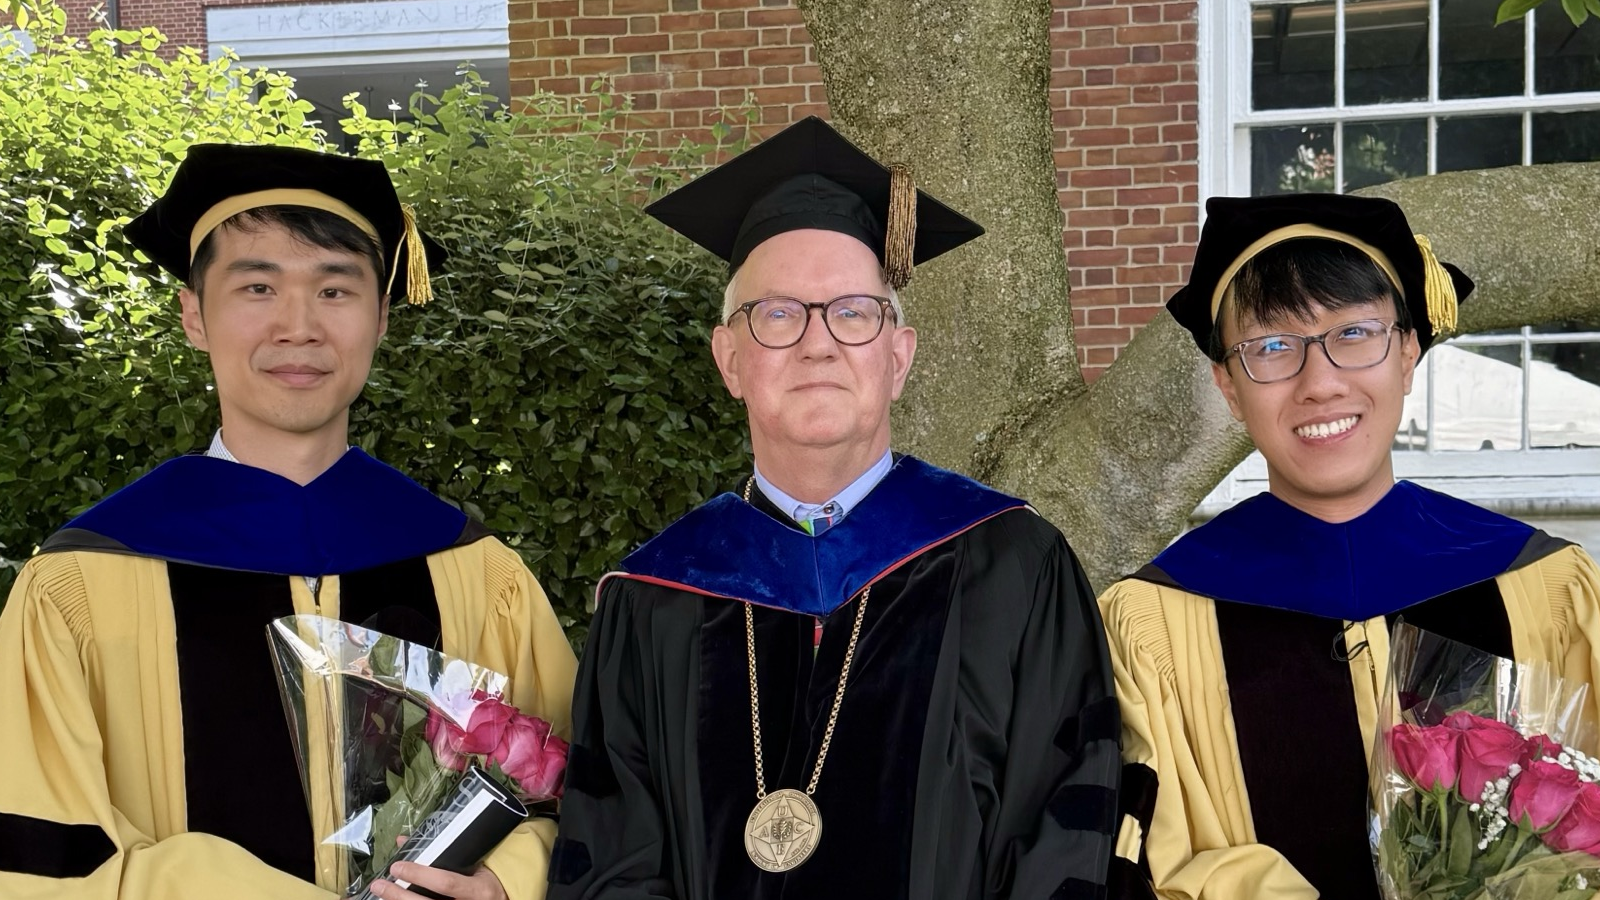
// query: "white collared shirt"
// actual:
[[841, 503]]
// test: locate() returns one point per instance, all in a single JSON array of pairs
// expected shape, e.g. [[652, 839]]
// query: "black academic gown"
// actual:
[[975, 751]]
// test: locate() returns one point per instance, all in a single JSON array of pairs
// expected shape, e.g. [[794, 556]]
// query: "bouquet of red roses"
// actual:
[[1478, 788], [398, 741]]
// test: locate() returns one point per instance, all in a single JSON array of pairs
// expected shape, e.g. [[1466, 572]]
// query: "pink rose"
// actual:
[[1425, 756], [1542, 794], [445, 739], [532, 756], [1488, 749], [1579, 829]]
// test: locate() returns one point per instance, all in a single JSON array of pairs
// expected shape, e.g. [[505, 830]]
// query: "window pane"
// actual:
[[1296, 158], [1385, 51], [1566, 137], [1564, 395], [1376, 152], [1486, 142], [1291, 56], [1477, 59], [1565, 58], [1477, 397]]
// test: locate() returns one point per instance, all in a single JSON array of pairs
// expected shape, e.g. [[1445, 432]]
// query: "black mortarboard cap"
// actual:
[[217, 181], [1238, 228], [809, 176]]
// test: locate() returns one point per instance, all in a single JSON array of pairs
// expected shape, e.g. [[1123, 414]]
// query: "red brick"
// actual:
[[773, 37], [1139, 315], [1179, 93], [1158, 235], [1180, 12], [685, 80], [1099, 315], [1102, 337], [728, 4], [685, 41], [1088, 18], [1099, 37], [729, 77], [1145, 256], [1147, 75], [560, 47], [1099, 238], [596, 46], [1090, 218], [1156, 196], [1113, 96], [1100, 356], [1131, 35], [720, 38], [634, 7], [766, 18], [642, 43], [775, 75], [558, 85], [778, 56], [597, 7], [688, 100], [729, 20], [1176, 53], [1098, 56], [1146, 115], [726, 58], [1085, 259], [527, 31], [693, 61], [817, 93], [1088, 178], [1145, 215], [588, 26], [777, 95], [810, 109], [1099, 117], [1146, 155], [808, 73], [1174, 215], [642, 25], [1182, 254], [599, 65], [1100, 137], [1149, 12], [1148, 275], [1099, 76], [687, 118], [557, 9], [689, 22], [652, 81]]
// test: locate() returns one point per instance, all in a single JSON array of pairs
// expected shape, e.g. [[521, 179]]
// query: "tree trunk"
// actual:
[[958, 90]]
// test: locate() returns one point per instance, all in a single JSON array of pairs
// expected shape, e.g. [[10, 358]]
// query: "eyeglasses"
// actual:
[[780, 322], [1279, 357]]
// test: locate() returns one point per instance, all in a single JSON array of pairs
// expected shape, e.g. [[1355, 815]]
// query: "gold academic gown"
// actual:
[[1178, 719], [92, 726]]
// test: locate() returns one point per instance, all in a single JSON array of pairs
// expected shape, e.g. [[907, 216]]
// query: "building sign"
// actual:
[[351, 19]]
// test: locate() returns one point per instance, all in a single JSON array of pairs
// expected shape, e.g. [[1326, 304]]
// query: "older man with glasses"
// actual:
[[856, 675], [1249, 654]]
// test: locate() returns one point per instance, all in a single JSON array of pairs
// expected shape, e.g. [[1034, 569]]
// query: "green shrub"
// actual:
[[559, 388]]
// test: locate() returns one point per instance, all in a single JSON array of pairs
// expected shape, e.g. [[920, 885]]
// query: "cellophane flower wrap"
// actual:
[[1483, 786], [385, 731]]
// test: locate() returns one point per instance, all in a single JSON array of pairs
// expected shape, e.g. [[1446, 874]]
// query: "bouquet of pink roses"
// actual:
[[398, 741], [1478, 788]]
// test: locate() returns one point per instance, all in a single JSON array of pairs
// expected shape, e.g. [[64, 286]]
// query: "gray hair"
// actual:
[[730, 301]]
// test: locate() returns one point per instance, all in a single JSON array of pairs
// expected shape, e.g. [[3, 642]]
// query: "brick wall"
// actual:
[[1124, 96], [686, 62]]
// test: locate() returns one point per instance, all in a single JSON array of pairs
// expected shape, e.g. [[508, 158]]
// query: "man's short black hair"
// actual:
[[1282, 283], [316, 227]]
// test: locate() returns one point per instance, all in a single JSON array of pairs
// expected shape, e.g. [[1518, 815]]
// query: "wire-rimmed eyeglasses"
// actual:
[[1279, 357], [780, 322]]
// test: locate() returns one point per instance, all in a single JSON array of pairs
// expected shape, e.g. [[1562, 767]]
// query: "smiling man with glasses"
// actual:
[[1250, 655], [856, 675]]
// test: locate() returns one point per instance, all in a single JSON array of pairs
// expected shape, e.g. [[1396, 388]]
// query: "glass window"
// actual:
[[1296, 159], [1476, 58], [1386, 51], [1292, 55]]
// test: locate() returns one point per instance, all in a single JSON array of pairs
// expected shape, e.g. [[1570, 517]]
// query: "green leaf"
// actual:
[[1576, 11], [1514, 9]]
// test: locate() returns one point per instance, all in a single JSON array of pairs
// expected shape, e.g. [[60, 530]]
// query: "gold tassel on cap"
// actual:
[[1439, 289], [900, 232], [419, 289]]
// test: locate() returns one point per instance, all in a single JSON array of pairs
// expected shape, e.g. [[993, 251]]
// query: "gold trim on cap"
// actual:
[[1289, 233], [238, 203]]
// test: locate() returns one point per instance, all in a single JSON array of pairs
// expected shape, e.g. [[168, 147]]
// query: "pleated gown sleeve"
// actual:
[[1051, 834], [1553, 608], [633, 759], [61, 836], [512, 630], [1192, 838]]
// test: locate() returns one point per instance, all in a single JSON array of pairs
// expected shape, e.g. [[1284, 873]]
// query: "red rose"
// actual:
[[1488, 749], [1542, 794], [487, 725], [533, 756], [1425, 756], [1579, 829]]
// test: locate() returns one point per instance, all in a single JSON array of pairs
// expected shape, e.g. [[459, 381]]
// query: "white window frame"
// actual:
[[1524, 481]]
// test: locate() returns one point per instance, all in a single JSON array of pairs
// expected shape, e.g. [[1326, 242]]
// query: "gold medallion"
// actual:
[[782, 831]]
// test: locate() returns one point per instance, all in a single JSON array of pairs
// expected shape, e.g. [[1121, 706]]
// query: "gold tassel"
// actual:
[[1438, 289], [419, 290], [900, 232]]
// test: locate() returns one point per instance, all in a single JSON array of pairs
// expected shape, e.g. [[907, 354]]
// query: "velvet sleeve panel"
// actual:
[[1176, 722], [56, 796], [632, 759], [1050, 833]]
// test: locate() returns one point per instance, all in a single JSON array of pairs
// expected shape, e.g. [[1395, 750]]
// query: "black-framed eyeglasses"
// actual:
[[1279, 357], [780, 322]]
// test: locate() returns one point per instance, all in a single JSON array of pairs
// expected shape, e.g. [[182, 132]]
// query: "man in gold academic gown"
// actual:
[[1250, 654], [144, 750]]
